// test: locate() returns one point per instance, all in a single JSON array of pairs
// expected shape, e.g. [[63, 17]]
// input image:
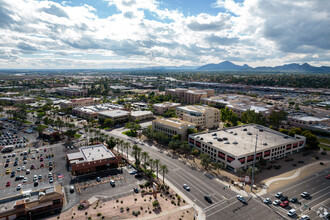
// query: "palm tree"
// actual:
[[157, 164], [151, 164], [127, 146], [164, 170], [121, 143], [117, 144], [136, 153], [145, 156]]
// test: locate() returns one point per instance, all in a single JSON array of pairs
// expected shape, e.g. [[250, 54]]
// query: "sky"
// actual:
[[98, 34]]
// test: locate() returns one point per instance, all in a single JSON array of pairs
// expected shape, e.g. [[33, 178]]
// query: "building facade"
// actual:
[[191, 95], [202, 116], [310, 123], [78, 102], [91, 159], [141, 115], [172, 126], [161, 108], [118, 116], [235, 147], [72, 92]]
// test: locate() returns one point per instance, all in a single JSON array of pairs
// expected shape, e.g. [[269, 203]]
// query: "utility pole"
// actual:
[[254, 161]]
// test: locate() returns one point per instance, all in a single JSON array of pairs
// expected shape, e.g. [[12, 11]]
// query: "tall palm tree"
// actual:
[[164, 170], [151, 164], [121, 143], [127, 146], [117, 144], [145, 156], [136, 153], [157, 164]]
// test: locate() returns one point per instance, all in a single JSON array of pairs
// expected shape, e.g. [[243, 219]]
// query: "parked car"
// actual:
[[293, 200], [304, 217], [278, 195], [292, 213], [98, 179], [112, 183], [284, 204], [277, 202], [8, 184], [267, 201], [71, 189], [19, 186]]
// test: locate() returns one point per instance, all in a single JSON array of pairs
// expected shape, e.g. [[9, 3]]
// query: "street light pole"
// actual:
[[254, 161]]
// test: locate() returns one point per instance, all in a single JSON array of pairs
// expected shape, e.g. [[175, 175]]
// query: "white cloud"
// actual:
[[257, 32]]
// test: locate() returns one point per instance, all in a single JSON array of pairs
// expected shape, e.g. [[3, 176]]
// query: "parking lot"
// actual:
[[99, 184], [21, 167]]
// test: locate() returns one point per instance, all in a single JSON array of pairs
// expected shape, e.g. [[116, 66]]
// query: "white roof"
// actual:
[[114, 113]]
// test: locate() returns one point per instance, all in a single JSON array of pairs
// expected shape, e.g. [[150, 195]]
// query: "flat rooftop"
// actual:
[[309, 118], [140, 113], [167, 104], [114, 113], [98, 108], [90, 153], [242, 140], [174, 122]]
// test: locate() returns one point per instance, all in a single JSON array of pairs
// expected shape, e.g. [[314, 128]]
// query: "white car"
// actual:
[[50, 175], [277, 202], [23, 168], [27, 171], [25, 180], [19, 186], [304, 217], [241, 198], [267, 201], [35, 177], [292, 213], [51, 180], [18, 169]]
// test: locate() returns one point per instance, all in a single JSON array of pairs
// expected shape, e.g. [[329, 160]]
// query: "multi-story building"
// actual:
[[92, 112], [141, 115], [118, 116], [189, 96], [72, 92], [33, 205], [310, 122], [161, 108], [235, 147], [172, 126], [91, 159], [78, 102], [17, 100], [202, 116], [239, 104]]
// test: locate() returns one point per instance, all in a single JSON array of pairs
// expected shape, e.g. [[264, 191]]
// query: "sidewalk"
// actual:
[[166, 213]]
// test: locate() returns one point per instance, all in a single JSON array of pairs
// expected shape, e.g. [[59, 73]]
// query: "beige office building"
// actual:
[[161, 108], [202, 116], [191, 95], [172, 126], [141, 115]]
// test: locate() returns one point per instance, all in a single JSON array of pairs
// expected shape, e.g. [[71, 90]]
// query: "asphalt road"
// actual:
[[224, 206]]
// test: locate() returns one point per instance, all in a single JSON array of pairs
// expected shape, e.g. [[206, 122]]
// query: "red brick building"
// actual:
[[91, 159]]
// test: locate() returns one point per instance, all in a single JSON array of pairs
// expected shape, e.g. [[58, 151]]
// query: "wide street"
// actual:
[[224, 203]]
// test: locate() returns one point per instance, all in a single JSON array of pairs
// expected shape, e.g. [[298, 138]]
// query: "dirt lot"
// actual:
[[125, 207]]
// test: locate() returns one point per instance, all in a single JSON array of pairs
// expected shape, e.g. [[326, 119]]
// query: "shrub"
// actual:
[[121, 209], [117, 200], [184, 201], [89, 218], [86, 213], [135, 199], [155, 204], [143, 191], [127, 209], [121, 201], [149, 212], [147, 184], [141, 207], [72, 217], [99, 214], [102, 217]]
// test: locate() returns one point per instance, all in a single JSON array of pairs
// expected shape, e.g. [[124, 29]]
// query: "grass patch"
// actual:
[[77, 136], [129, 133], [324, 147], [323, 140]]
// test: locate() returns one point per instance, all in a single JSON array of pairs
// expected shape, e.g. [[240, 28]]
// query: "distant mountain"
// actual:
[[293, 67], [224, 66]]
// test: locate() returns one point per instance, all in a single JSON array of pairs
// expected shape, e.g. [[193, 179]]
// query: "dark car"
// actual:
[[112, 183], [294, 200], [208, 199], [284, 198], [98, 179], [136, 190]]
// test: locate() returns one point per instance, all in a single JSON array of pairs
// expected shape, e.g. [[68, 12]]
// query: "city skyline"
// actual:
[[133, 34]]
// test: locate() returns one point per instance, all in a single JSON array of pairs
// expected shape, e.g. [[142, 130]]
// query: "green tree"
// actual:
[[134, 127], [169, 113], [205, 161], [276, 117], [250, 116], [157, 164], [228, 116]]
